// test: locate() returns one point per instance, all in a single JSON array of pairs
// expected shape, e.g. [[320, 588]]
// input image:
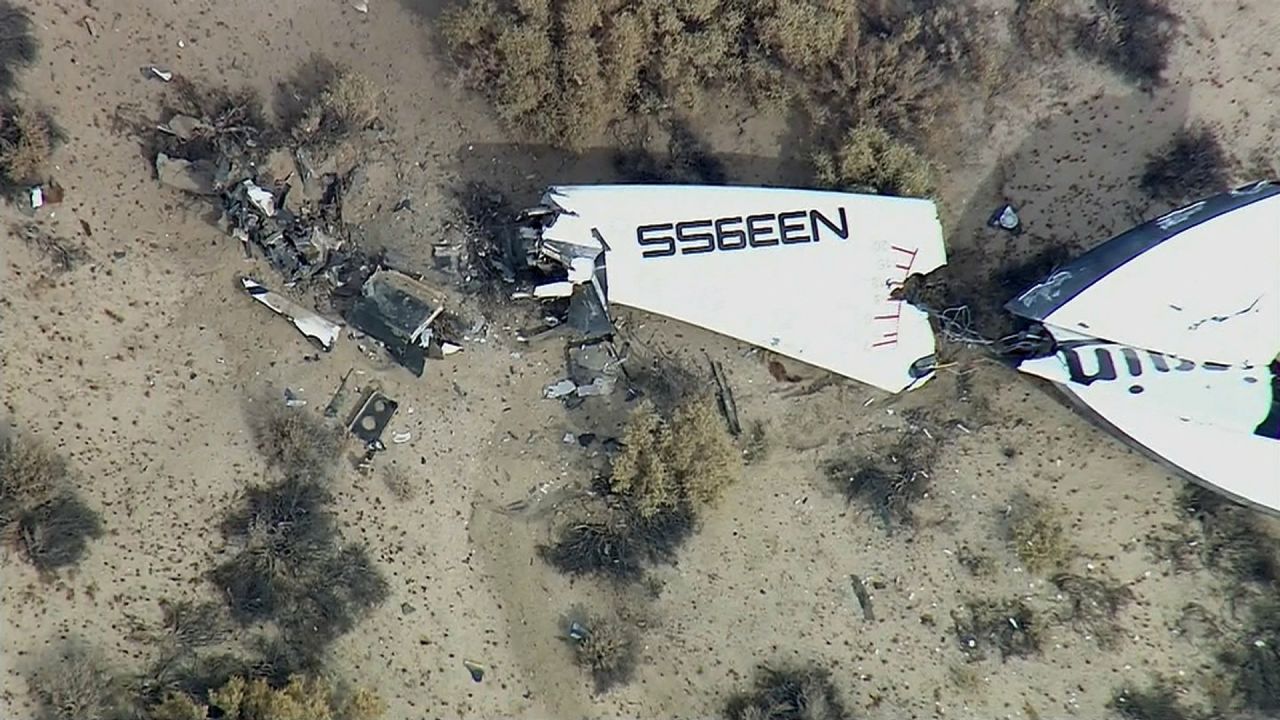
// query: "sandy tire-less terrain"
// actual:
[[139, 364]]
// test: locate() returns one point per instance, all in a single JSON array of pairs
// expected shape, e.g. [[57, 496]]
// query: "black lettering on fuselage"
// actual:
[[1106, 364], [730, 238], [761, 233], [793, 233], [692, 242], [661, 245], [842, 231], [760, 230]]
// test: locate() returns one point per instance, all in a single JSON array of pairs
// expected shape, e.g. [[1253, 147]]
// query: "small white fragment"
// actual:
[[568, 438], [360, 6], [554, 289], [261, 199], [401, 437], [37, 197], [164, 75]]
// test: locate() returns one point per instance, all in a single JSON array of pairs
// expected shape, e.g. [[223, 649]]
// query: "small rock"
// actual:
[[407, 609], [193, 177]]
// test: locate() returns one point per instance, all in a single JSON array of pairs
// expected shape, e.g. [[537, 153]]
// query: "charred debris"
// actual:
[[282, 201]]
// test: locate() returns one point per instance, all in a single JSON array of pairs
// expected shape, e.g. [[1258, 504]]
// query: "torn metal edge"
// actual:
[[311, 324]]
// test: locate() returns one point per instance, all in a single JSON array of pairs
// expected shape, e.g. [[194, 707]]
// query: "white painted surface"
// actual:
[[825, 303], [308, 322], [1211, 292], [1201, 420]]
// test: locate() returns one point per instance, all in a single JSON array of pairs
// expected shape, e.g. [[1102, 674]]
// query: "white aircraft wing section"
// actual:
[[807, 274], [1201, 282]]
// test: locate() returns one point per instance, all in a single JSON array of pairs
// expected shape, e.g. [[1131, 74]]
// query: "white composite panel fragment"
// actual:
[[1204, 418], [309, 323], [806, 274], [1210, 292]]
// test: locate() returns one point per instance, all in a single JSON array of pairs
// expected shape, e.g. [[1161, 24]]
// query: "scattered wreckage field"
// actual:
[[580, 460]]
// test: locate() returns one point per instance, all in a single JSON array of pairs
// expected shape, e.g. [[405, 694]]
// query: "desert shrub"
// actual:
[[177, 706], [620, 542], [892, 82], [1192, 165], [291, 568], [399, 482], [53, 525], [26, 146], [300, 698], [31, 474], [56, 533], [1045, 28], [1158, 702], [804, 34], [871, 160], [1132, 37], [193, 624], [18, 44], [1008, 626], [1036, 533], [606, 648], [804, 693], [349, 102], [64, 255], [76, 685], [890, 484], [1254, 659], [233, 129], [1093, 604], [563, 72], [295, 441], [755, 445], [688, 459], [1233, 542]]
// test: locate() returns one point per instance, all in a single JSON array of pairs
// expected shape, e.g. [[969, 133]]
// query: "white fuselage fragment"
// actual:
[[807, 274], [309, 323], [1191, 320]]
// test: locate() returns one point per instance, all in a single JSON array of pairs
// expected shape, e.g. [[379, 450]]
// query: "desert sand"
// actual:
[[140, 362]]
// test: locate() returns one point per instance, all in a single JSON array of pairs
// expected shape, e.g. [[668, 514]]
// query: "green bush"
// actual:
[[870, 160]]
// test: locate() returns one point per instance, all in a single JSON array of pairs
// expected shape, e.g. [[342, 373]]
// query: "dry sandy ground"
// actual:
[[152, 406]]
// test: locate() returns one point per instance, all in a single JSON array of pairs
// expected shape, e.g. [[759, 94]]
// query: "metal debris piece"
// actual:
[[476, 670], [331, 410], [164, 75], [298, 245], [864, 598], [561, 389], [360, 5], [394, 309], [311, 324], [291, 399], [264, 201], [401, 438], [185, 127], [724, 398], [1006, 218], [37, 197], [372, 417], [198, 177]]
